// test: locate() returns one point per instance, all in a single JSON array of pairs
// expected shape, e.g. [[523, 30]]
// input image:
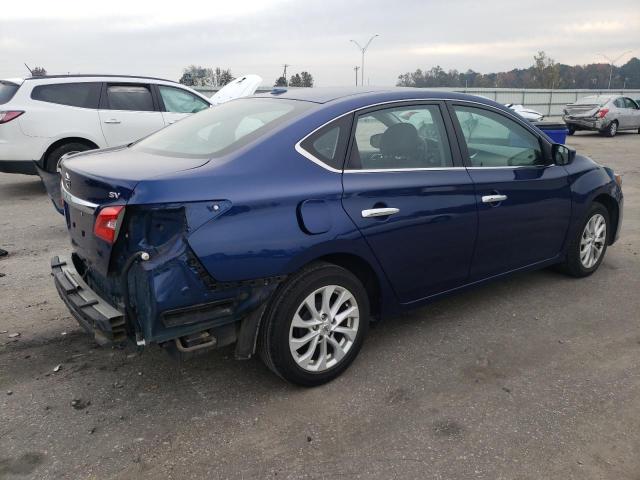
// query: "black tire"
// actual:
[[611, 130], [571, 130], [273, 339], [573, 265], [51, 162]]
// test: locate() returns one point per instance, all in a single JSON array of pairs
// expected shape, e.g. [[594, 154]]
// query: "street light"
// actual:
[[363, 50], [612, 63]]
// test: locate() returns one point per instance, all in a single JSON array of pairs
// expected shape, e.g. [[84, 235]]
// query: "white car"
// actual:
[[526, 113], [43, 119]]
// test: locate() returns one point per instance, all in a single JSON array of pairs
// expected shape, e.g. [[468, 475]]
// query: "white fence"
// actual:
[[546, 101]]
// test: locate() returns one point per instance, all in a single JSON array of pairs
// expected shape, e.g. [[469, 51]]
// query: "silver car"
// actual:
[[605, 113]]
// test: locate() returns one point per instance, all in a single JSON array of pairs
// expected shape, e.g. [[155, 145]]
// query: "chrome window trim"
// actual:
[[81, 204], [375, 170], [320, 163]]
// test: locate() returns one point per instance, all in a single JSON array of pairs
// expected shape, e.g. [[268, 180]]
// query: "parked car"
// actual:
[[45, 118], [526, 113], [285, 222], [606, 114]]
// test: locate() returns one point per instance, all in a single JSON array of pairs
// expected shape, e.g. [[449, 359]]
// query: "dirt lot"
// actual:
[[533, 377]]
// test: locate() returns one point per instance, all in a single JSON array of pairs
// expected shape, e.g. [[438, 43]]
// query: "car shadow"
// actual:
[[21, 186]]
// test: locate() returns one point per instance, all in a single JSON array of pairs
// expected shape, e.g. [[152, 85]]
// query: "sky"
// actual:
[[137, 37]]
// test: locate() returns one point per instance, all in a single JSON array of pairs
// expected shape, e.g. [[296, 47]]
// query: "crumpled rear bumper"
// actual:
[[104, 322]]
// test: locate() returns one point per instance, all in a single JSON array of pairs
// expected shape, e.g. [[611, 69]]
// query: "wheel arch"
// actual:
[[613, 208], [63, 141]]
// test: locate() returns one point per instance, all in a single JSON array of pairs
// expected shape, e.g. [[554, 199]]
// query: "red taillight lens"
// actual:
[[602, 112], [108, 223], [8, 115]]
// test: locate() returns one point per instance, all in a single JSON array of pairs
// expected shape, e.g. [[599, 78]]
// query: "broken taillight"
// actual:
[[602, 112], [108, 223], [8, 115]]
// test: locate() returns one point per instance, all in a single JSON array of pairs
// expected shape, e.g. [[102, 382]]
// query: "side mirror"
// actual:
[[562, 155], [376, 140]]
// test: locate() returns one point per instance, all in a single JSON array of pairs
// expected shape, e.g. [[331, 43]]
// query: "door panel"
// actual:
[[529, 226], [407, 193], [128, 112], [524, 204], [425, 248]]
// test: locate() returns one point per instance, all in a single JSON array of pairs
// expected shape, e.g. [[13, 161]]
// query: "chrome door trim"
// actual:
[[320, 163], [379, 212], [493, 198]]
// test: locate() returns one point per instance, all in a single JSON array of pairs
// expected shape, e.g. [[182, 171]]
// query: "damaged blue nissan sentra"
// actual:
[[285, 222]]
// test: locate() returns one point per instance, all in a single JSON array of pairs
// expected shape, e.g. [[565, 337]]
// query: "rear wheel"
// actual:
[[52, 162], [586, 251], [315, 325], [611, 130]]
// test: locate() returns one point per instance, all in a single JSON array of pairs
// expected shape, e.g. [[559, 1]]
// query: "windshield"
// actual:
[[7, 91], [222, 129]]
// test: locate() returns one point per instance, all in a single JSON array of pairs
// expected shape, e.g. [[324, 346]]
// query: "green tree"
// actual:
[[307, 79], [199, 76], [38, 72], [295, 80], [281, 82]]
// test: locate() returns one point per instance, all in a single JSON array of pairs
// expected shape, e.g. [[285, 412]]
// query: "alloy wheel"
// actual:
[[593, 240], [324, 328]]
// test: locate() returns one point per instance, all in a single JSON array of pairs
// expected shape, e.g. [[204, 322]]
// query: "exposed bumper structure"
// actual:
[[104, 322], [585, 123]]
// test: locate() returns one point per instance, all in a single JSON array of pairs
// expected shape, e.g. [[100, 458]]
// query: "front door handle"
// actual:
[[112, 120], [493, 198], [379, 212]]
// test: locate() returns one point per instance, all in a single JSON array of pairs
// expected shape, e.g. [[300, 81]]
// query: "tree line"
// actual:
[[199, 76], [543, 73]]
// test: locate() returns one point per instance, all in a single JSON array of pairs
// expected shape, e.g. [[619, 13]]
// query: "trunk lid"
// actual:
[[96, 179]]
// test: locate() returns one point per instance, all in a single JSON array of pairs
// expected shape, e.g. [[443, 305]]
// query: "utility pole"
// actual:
[[612, 62], [284, 74], [363, 50], [356, 68]]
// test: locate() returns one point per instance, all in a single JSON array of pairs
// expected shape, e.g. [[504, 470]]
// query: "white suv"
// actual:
[[44, 118]]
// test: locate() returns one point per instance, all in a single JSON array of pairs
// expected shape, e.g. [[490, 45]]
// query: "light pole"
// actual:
[[363, 50], [612, 62], [356, 68]]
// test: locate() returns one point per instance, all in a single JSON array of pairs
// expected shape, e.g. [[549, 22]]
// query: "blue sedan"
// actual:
[[285, 223]]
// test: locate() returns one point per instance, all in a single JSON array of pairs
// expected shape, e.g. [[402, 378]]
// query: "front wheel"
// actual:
[[586, 251], [315, 325]]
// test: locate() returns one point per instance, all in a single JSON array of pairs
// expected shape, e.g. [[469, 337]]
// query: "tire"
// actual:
[[611, 130], [574, 264], [52, 160], [571, 130], [278, 337]]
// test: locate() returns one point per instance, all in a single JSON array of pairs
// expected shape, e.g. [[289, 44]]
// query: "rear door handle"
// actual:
[[112, 120], [379, 212], [493, 198]]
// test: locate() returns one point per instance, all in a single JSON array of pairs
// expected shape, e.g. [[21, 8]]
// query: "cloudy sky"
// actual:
[[248, 36]]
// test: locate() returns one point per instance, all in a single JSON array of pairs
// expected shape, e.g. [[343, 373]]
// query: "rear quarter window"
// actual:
[[7, 91], [82, 94]]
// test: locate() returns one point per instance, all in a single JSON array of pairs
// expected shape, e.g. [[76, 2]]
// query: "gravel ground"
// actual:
[[536, 376]]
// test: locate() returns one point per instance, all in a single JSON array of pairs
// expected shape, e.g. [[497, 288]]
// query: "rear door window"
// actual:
[[81, 94], [177, 100], [630, 104], [398, 138], [7, 91], [129, 97]]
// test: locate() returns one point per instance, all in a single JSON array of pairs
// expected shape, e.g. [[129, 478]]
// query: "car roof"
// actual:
[[368, 94], [98, 75]]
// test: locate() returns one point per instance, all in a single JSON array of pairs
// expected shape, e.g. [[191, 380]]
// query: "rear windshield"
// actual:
[[7, 91], [593, 100], [222, 129]]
